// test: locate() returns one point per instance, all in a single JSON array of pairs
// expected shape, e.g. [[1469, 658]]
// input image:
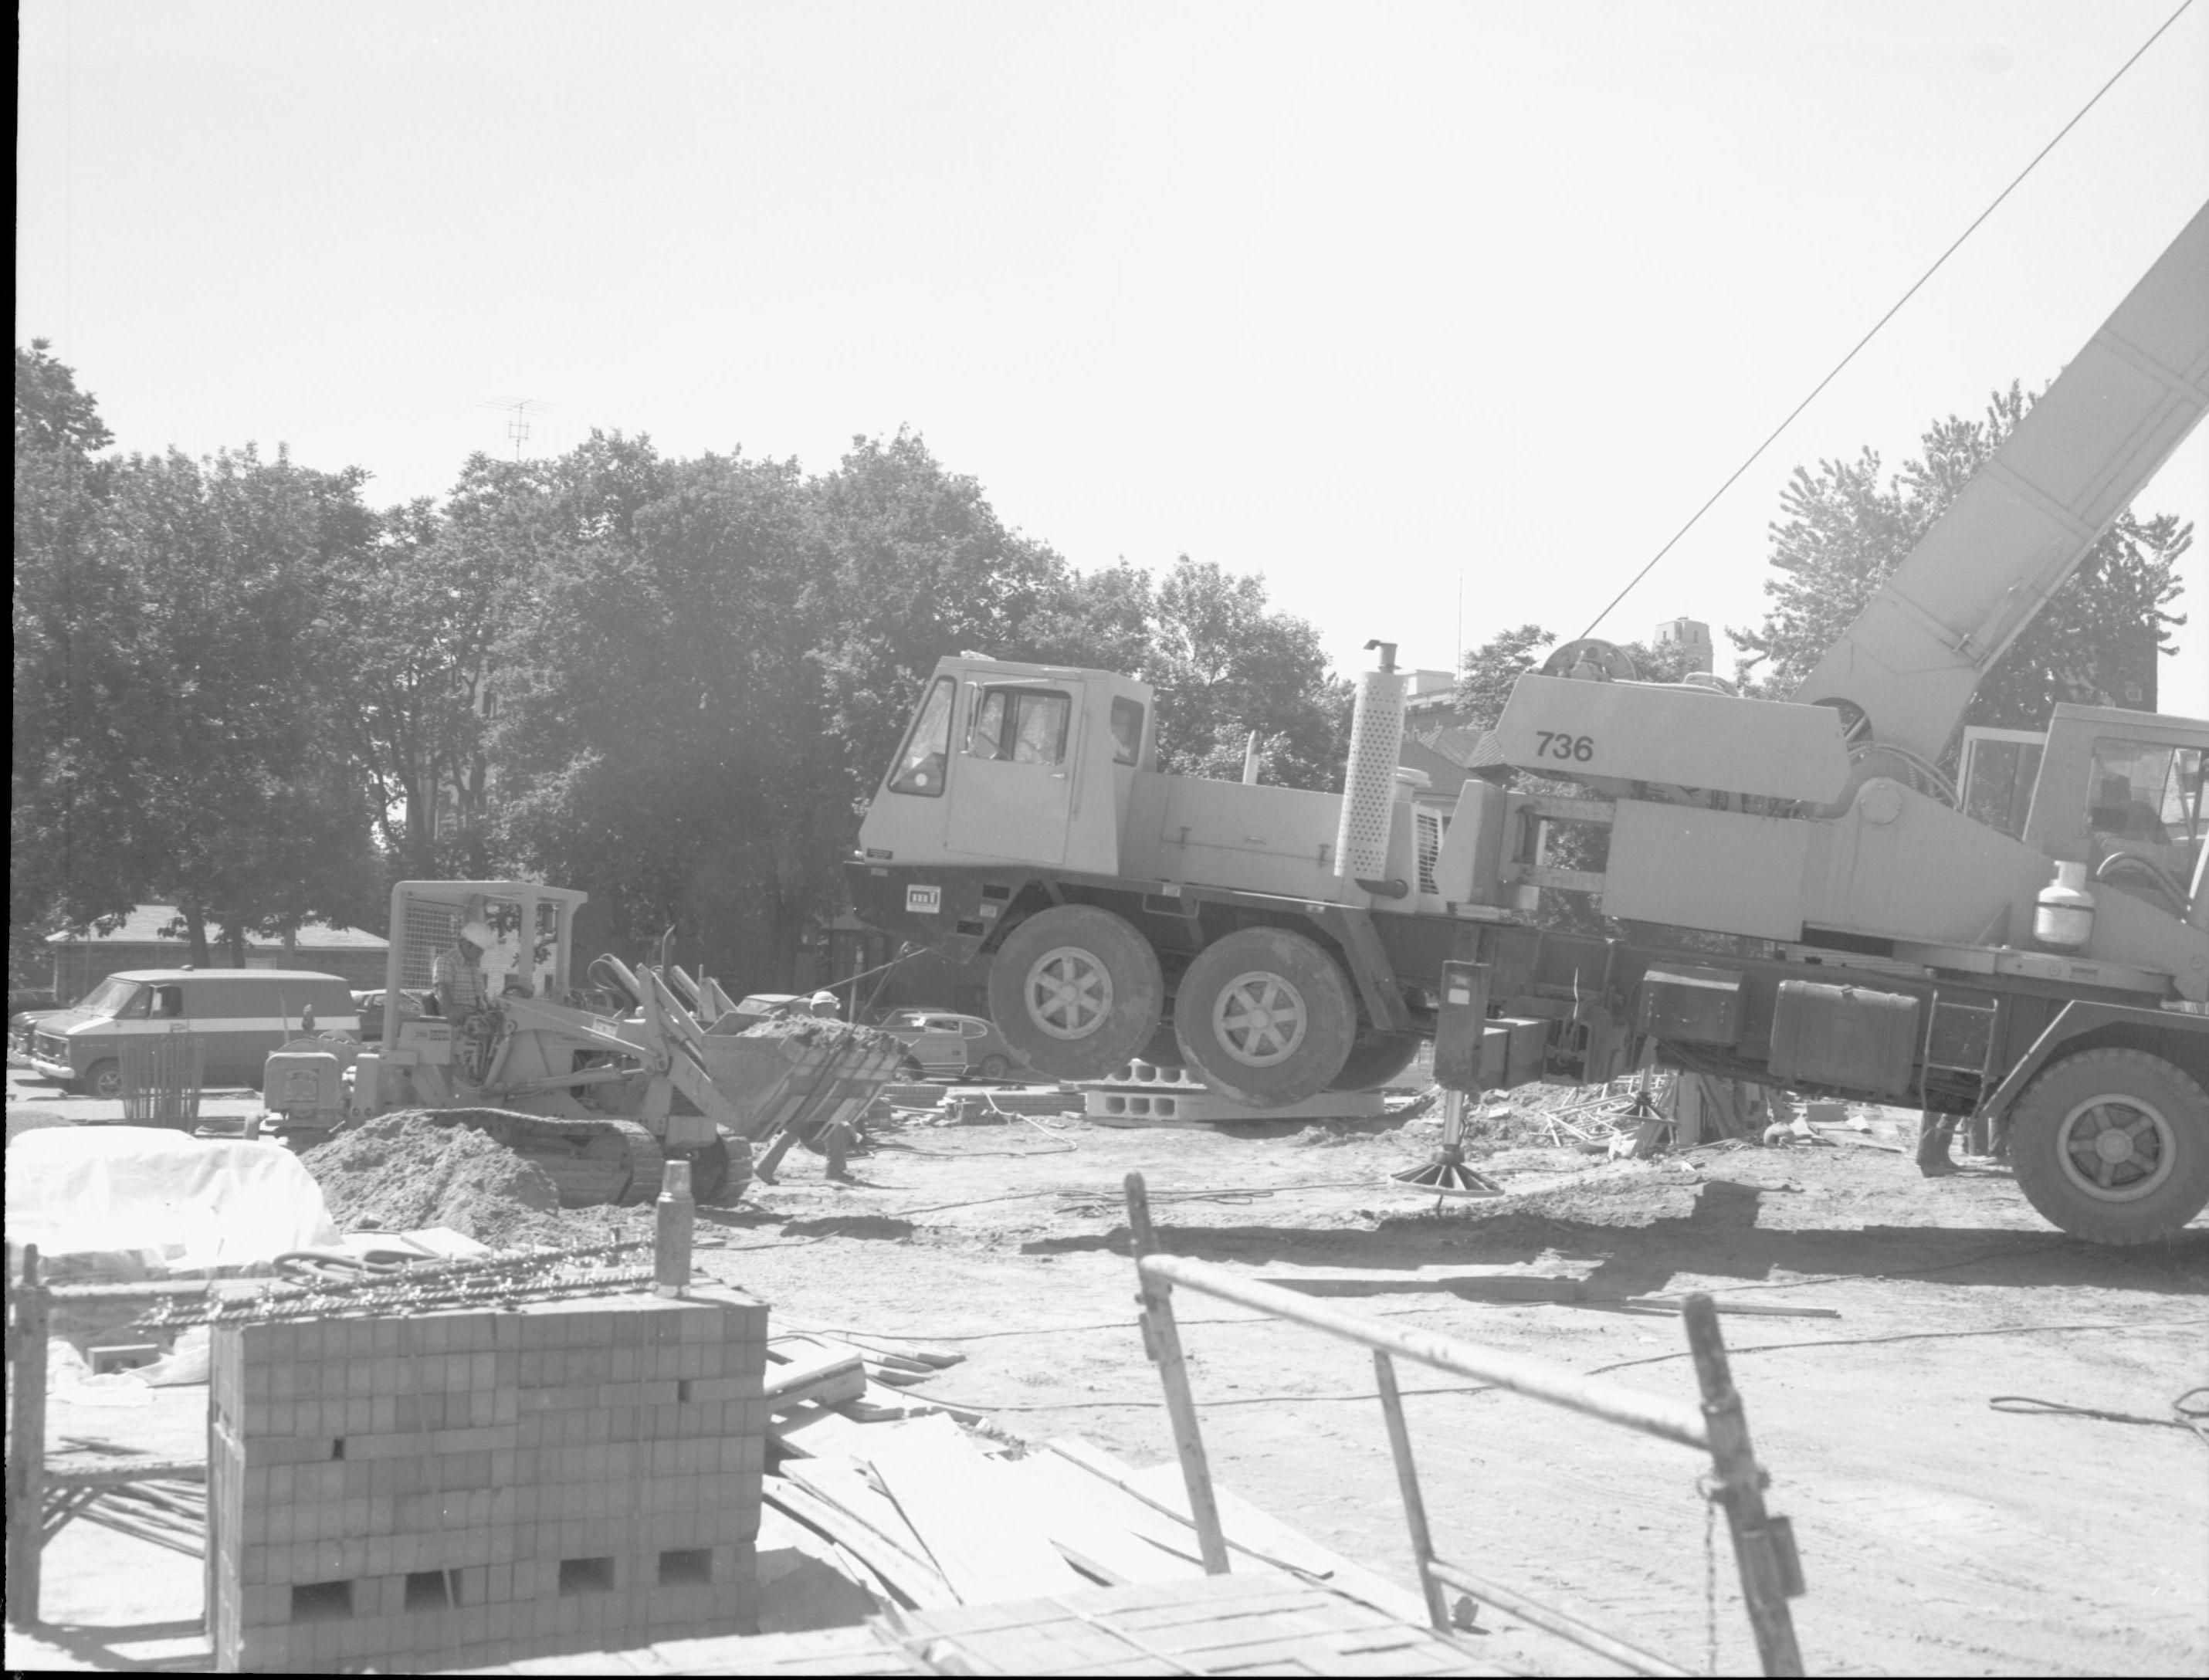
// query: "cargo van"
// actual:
[[237, 1015]]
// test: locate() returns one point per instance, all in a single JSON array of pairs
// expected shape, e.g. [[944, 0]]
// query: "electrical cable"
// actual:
[[1907, 1335], [1915, 285], [2026, 1405]]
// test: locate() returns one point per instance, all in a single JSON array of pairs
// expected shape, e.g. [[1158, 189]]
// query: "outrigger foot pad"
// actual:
[[1448, 1175]]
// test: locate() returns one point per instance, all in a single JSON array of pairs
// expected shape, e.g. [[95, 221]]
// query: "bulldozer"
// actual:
[[599, 1078]]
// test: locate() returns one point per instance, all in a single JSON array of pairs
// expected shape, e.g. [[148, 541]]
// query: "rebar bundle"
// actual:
[[484, 1280]]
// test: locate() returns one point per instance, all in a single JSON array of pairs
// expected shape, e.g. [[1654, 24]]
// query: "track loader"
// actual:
[[598, 1079]]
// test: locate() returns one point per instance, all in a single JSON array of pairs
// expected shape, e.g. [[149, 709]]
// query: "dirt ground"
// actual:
[[1937, 1535]]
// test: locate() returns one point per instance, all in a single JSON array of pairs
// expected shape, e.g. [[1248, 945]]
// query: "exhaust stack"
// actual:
[[1369, 782]]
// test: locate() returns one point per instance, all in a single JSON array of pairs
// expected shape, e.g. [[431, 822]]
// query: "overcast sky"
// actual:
[[1374, 299]]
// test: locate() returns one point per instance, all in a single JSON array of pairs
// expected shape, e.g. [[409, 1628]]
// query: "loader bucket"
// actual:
[[798, 1075]]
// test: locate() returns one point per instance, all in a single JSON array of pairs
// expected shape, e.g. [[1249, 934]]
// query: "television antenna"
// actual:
[[518, 411]]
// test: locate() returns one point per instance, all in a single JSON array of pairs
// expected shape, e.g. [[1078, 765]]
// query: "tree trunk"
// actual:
[[233, 936], [195, 931]]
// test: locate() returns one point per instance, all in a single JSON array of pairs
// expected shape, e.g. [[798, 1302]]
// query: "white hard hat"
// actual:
[[479, 935]]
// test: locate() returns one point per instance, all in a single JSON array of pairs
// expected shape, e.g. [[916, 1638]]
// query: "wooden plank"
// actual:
[[976, 1529], [826, 1376], [1169, 1551], [845, 1485], [810, 1430], [921, 1587], [1249, 1529], [1090, 1537]]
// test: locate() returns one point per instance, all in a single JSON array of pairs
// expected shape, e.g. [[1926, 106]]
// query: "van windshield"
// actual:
[[111, 997]]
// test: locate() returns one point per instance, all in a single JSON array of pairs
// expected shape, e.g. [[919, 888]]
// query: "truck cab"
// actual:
[[1017, 763]]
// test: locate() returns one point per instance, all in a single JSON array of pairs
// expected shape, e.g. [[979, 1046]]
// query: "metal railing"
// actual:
[[1763, 1545]]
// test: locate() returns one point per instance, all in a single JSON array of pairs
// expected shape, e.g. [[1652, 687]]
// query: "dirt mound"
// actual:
[[403, 1172], [28, 1119], [812, 1030]]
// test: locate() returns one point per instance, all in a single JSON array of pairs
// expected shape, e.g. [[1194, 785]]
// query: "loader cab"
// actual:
[[530, 955], [2120, 792], [1004, 762]]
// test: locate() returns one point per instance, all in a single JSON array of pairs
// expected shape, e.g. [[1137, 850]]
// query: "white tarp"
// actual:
[[175, 1203]]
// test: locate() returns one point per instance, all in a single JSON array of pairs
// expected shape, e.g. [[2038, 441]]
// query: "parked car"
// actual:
[[960, 1045], [25, 1009], [370, 1006], [238, 1014]]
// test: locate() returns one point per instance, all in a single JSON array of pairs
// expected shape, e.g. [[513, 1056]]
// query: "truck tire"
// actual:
[[1266, 1016], [1375, 1059], [2113, 1146], [1075, 991], [103, 1079]]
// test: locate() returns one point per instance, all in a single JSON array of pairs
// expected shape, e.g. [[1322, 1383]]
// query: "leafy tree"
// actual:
[[909, 563], [660, 740], [1484, 683], [51, 415], [412, 624], [1224, 663], [246, 818], [76, 853], [1845, 528]]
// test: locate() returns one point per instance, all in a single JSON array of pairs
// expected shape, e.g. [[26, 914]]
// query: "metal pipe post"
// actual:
[[1763, 1545], [1162, 1341], [1407, 1481], [27, 1445]]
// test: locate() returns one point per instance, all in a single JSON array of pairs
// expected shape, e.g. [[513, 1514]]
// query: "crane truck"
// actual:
[[1793, 892]]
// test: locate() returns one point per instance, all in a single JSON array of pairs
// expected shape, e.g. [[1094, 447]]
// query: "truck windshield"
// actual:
[[112, 997], [920, 765]]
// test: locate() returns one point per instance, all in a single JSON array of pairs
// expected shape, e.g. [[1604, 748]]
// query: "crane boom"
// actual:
[[2031, 513]]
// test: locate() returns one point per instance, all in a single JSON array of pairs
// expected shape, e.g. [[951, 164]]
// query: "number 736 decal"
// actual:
[[1552, 744]]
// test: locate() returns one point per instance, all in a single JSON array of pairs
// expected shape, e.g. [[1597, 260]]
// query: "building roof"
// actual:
[[1456, 744], [145, 923]]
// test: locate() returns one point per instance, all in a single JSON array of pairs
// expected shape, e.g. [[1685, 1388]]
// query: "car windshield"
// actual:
[[109, 997]]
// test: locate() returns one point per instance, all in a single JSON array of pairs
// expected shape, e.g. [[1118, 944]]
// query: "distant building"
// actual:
[[1427, 696], [1692, 636], [83, 959]]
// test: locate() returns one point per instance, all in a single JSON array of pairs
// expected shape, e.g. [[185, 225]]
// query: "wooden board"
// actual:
[[810, 1430], [1218, 1625], [977, 1530], [1249, 1530], [845, 1485], [1116, 1544]]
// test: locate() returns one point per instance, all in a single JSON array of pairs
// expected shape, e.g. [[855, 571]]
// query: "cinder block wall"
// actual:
[[471, 1487]]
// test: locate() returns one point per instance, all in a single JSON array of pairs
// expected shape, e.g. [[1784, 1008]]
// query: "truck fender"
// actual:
[[2181, 1040]]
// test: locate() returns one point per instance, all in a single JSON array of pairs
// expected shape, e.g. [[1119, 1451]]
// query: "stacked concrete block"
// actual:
[[461, 1488]]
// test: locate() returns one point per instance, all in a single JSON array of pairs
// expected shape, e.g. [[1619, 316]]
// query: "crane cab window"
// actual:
[[1021, 725], [920, 765], [1127, 731], [2146, 797]]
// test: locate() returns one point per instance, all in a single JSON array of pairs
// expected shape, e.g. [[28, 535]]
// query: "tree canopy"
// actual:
[[671, 682], [1843, 528]]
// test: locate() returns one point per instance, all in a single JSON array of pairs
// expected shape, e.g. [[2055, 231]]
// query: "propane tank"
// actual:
[[1369, 784], [2063, 914]]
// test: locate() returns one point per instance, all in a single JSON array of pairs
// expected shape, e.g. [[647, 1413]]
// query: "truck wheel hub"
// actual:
[[2116, 1148], [1070, 993], [1259, 1019]]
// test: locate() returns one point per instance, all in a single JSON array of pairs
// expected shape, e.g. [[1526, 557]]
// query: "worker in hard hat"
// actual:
[[832, 1138], [464, 999]]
